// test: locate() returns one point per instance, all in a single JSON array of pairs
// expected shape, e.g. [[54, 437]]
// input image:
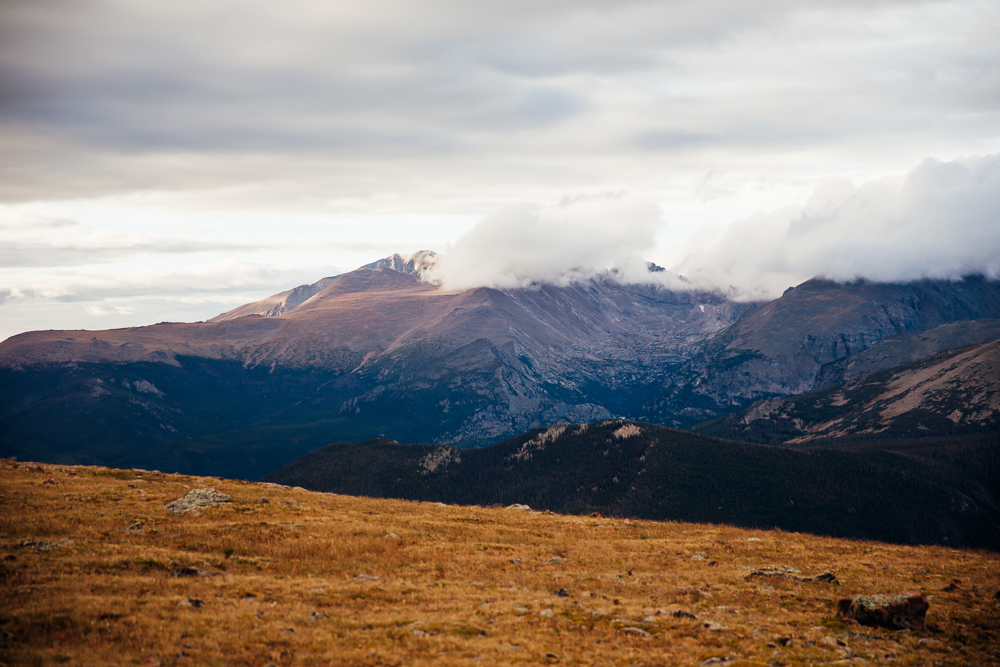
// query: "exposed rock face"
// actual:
[[955, 391], [780, 348], [904, 611], [902, 350], [414, 264]]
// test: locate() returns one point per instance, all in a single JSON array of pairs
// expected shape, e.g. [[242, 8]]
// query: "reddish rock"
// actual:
[[903, 611]]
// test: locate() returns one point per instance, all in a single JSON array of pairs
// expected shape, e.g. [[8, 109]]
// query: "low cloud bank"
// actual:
[[571, 241], [941, 220]]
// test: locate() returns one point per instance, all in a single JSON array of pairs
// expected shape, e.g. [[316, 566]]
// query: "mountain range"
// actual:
[[379, 352]]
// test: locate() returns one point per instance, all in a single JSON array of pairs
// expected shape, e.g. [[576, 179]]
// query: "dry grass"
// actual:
[[460, 585]]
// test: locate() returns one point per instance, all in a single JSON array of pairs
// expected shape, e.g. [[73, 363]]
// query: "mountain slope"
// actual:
[[781, 348], [640, 470], [374, 351], [952, 392]]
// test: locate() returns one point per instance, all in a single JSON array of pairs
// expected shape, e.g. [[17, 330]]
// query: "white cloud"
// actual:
[[572, 240], [940, 220]]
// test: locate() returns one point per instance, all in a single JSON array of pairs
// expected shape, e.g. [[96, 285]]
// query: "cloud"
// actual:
[[573, 240], [458, 100], [941, 220]]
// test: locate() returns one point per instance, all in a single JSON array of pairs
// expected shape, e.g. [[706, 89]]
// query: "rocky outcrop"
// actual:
[[903, 611], [196, 500]]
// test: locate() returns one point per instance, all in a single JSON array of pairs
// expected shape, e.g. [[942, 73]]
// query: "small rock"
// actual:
[[418, 633], [288, 631], [718, 661], [196, 500], [635, 632], [519, 506], [520, 609], [46, 545], [555, 560], [697, 557], [953, 586], [829, 641], [366, 577], [680, 613], [793, 574], [551, 656], [186, 572], [562, 592], [316, 616], [52, 480], [191, 602], [903, 611], [697, 594], [546, 613], [391, 536], [714, 627], [263, 501], [136, 526]]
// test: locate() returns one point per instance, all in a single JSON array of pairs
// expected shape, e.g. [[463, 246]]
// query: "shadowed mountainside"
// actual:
[[638, 470]]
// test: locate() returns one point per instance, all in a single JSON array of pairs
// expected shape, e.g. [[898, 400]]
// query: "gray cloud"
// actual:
[[34, 254], [115, 96], [317, 112]]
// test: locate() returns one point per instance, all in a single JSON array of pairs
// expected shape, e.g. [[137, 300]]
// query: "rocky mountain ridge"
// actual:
[[957, 391], [811, 336], [377, 351]]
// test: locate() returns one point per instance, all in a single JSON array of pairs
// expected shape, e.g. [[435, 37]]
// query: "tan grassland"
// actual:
[[277, 583]]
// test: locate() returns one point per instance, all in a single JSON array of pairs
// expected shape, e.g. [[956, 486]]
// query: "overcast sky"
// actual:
[[170, 160]]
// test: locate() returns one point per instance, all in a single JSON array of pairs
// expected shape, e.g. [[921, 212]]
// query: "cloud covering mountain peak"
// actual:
[[939, 220]]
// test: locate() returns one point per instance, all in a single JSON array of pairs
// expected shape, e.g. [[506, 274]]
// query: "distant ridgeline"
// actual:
[[379, 352], [628, 469]]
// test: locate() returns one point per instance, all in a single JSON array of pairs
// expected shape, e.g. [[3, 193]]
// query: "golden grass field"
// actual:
[[291, 581]]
